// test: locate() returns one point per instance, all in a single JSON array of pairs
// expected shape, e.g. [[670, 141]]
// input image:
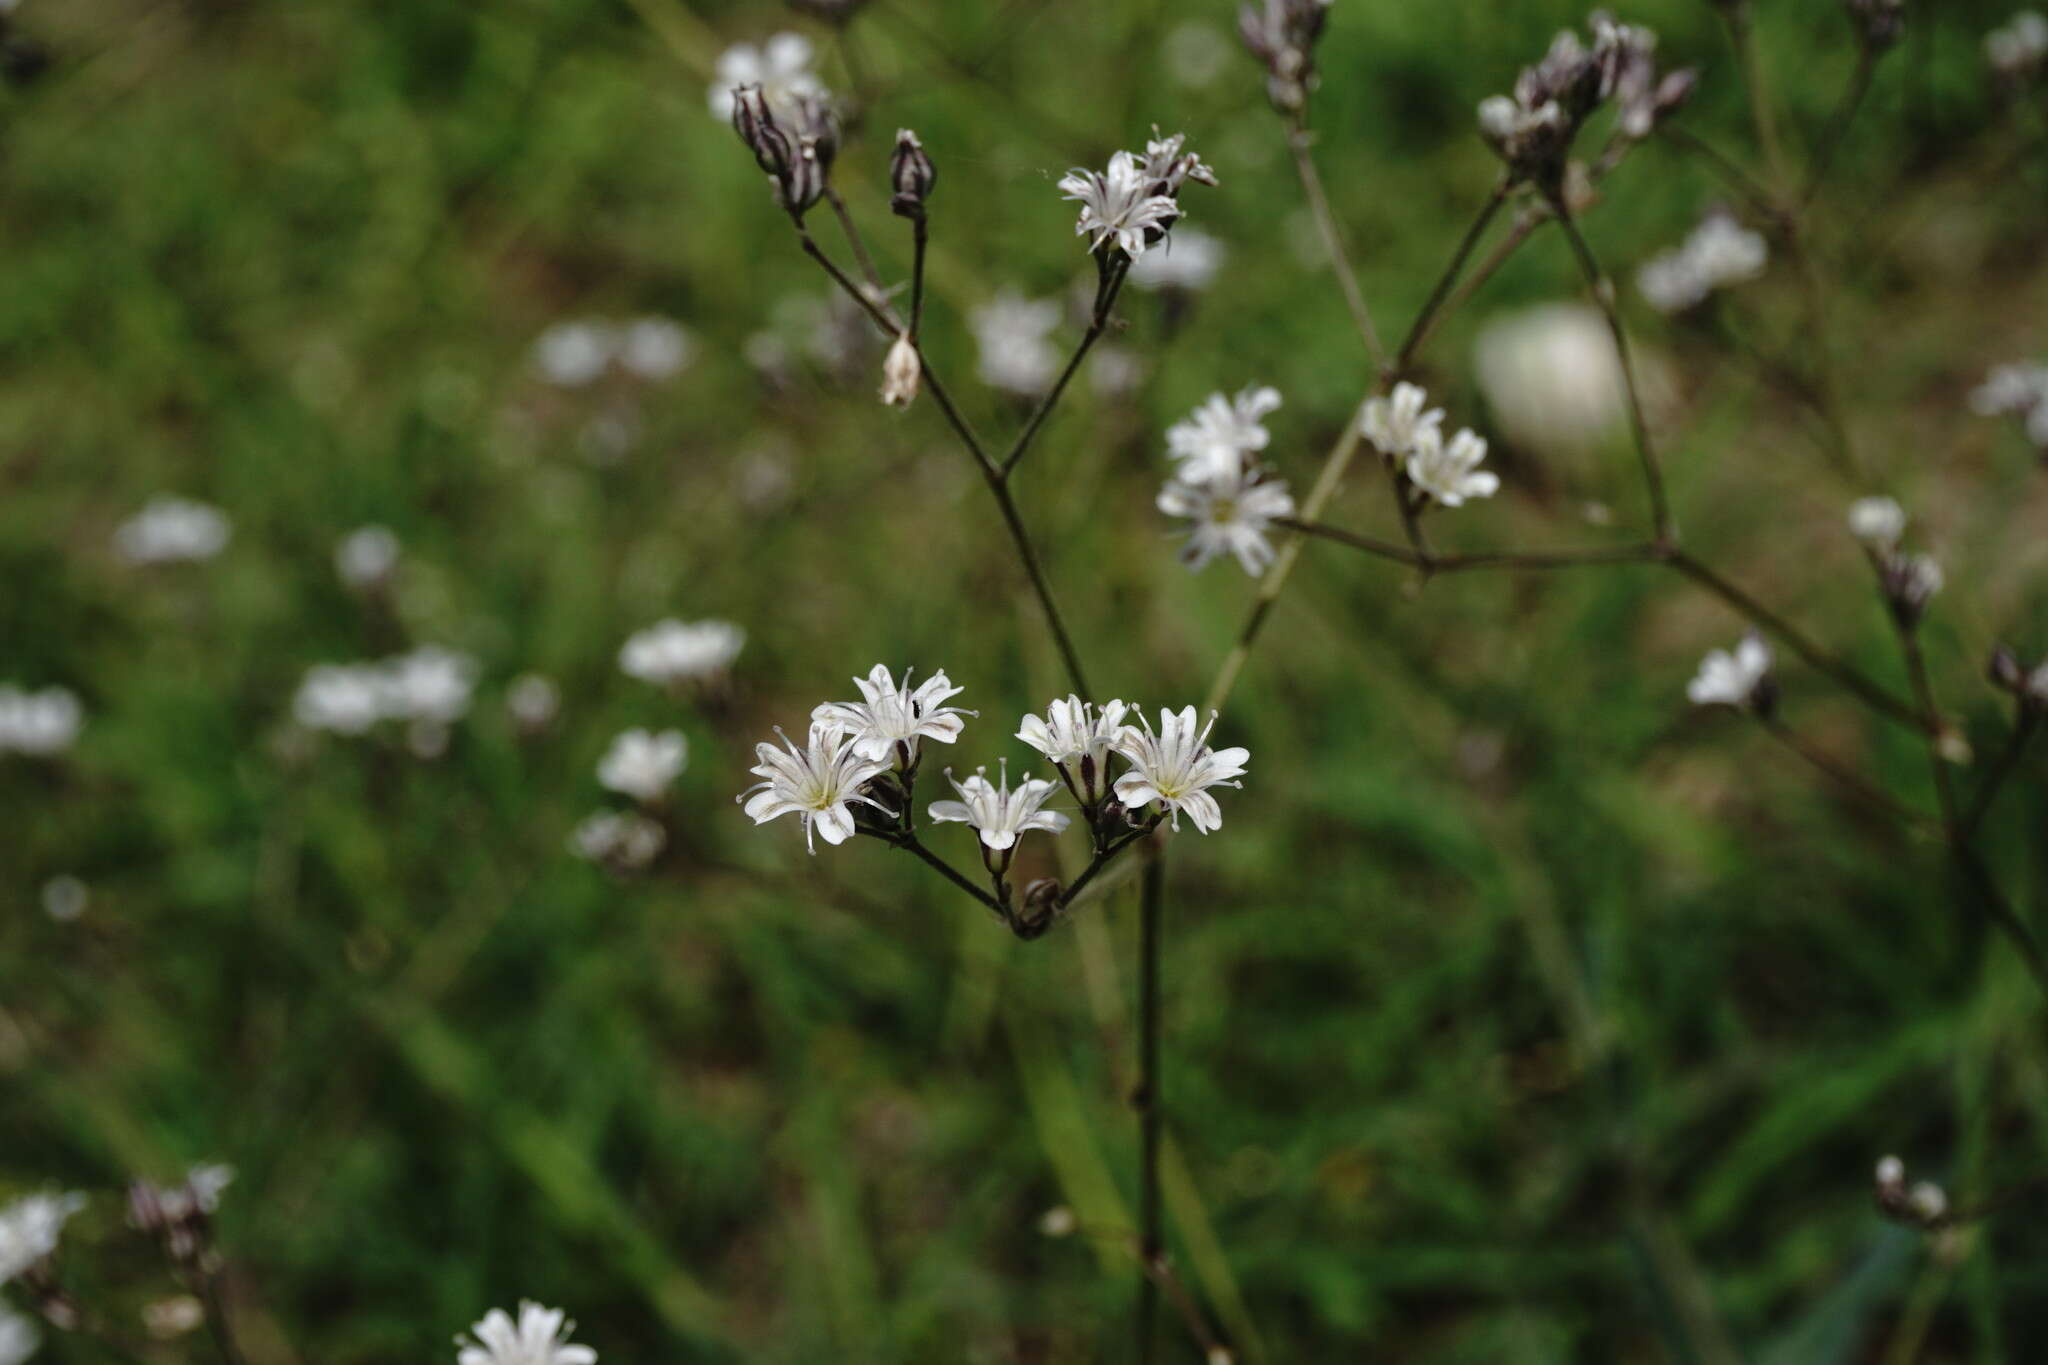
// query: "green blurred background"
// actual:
[[1514, 1014]]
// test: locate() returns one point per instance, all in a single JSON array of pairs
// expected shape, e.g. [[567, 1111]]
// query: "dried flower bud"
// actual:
[[795, 158], [1910, 582], [900, 373], [911, 175], [2005, 671], [1282, 34]]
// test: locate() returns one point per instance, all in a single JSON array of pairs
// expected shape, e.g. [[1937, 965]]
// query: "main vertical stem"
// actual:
[[1146, 1099]]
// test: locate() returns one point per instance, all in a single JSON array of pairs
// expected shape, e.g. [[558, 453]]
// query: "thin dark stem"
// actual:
[[1736, 178], [853, 240], [1298, 142], [1105, 300], [1646, 552], [1842, 774], [920, 233], [1526, 222], [1011, 519], [2002, 768], [1418, 331], [1984, 1208], [1603, 294], [1103, 858], [910, 843], [1838, 123], [1874, 696], [1147, 1099], [1923, 694], [217, 1321], [1737, 15], [1979, 881]]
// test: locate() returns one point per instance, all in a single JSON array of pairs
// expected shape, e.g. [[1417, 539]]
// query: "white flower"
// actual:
[[1188, 261], [1450, 473], [900, 372], [1012, 334], [1877, 522], [2016, 49], [889, 716], [817, 783], [540, 1337], [622, 839], [533, 701], [30, 1227], [671, 651], [1394, 423], [1553, 378], [1196, 53], [642, 765], [1891, 1172], [176, 1316], [573, 354], [781, 67], [65, 898], [1213, 440], [998, 811], [1168, 164], [1175, 766], [366, 557], [1120, 205], [2017, 388], [1230, 513], [18, 1336], [1911, 581], [1727, 679], [654, 348], [1718, 253], [1077, 737], [345, 698], [429, 684], [39, 723], [169, 530], [1928, 1201]]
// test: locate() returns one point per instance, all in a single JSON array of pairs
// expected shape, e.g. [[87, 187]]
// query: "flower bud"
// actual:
[[900, 373], [911, 175], [1910, 582]]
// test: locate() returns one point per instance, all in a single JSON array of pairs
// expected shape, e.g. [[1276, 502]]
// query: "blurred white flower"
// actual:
[[30, 1228], [1196, 53], [65, 898], [621, 839], [1877, 522], [176, 1316], [1231, 513], [1910, 583], [1077, 737], [2017, 389], [170, 530], [816, 783], [1727, 679], [1116, 371], [889, 721], [1395, 423], [429, 683], [1012, 334], [671, 651], [655, 348], [999, 812], [641, 764], [1928, 1201], [1718, 253], [781, 67], [540, 1337], [2020, 48], [1121, 204], [19, 1338], [347, 699], [1175, 766], [1553, 378], [573, 354], [1891, 1173], [39, 723], [1449, 471], [1213, 440], [1187, 261], [533, 701], [367, 557]]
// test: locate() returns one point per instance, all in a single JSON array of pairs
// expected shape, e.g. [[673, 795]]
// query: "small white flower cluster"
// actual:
[[65, 897], [1219, 482], [30, 1228], [428, 689], [1136, 201], [19, 1338], [1532, 129], [1718, 253], [781, 67], [367, 558], [1924, 1203], [1409, 434], [866, 753], [540, 1336], [1187, 264], [1014, 338], [39, 724], [172, 530], [1909, 581], [670, 653], [2017, 390], [571, 355], [623, 840], [2018, 52], [181, 1214], [1741, 679], [642, 764]]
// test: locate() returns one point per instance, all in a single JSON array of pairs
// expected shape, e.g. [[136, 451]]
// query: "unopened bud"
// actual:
[[1928, 1202], [1891, 1173], [911, 175], [2004, 670], [1058, 1221], [1675, 89], [755, 123], [900, 373]]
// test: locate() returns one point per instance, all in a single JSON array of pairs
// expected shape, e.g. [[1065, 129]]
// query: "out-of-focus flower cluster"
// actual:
[[1718, 253]]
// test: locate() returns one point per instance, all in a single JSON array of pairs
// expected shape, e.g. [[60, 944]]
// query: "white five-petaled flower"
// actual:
[[1877, 522], [29, 1229], [817, 783], [1214, 439], [539, 1337], [642, 765], [1077, 736], [1395, 422], [888, 717], [1731, 679], [781, 67], [171, 530], [18, 1337], [1231, 512], [1175, 766], [1123, 205], [38, 723], [998, 811], [671, 651], [1449, 471]]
